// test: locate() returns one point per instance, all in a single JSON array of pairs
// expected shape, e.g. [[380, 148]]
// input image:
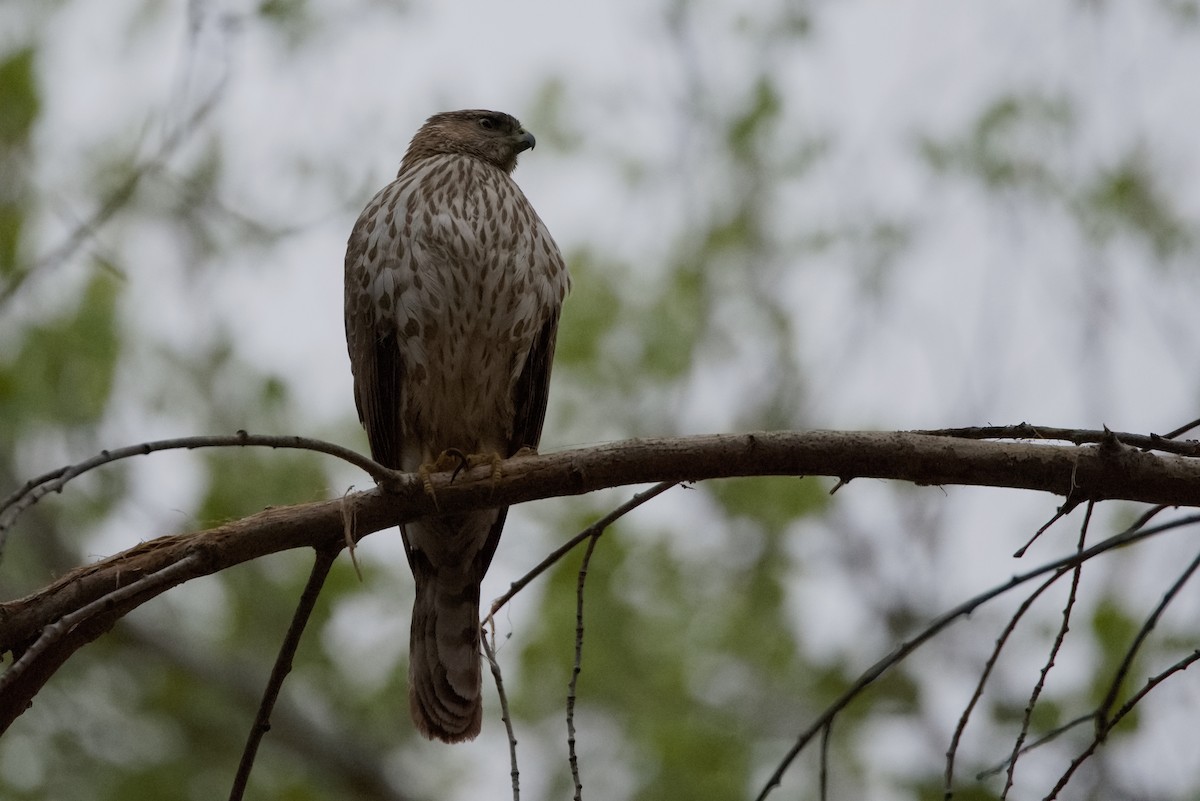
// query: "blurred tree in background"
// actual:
[[733, 269]]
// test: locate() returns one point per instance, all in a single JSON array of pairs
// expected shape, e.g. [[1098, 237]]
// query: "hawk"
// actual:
[[453, 292]]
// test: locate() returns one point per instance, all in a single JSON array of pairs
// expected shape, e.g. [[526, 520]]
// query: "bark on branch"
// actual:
[[1108, 470]]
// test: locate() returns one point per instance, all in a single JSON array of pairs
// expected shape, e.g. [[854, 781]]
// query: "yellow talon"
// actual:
[[447, 459], [425, 471]]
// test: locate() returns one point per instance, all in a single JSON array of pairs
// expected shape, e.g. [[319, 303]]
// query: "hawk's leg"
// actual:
[[493, 458], [451, 458]]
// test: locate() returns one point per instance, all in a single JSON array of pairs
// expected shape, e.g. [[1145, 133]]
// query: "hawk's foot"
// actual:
[[447, 459], [489, 458]]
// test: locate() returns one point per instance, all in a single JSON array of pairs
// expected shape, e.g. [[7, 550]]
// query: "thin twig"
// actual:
[[117, 198], [1027, 719], [1097, 740], [1105, 724], [826, 734], [569, 545], [985, 675], [902, 651], [54, 481], [489, 650], [1045, 738], [1080, 436], [1062, 511], [1183, 429], [577, 667], [1151, 683], [283, 664], [1127, 662], [55, 631]]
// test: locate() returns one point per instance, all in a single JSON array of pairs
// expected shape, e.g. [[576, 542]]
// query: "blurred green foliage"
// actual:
[[61, 373], [19, 107]]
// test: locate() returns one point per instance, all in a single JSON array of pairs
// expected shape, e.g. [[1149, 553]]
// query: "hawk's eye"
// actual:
[[487, 123]]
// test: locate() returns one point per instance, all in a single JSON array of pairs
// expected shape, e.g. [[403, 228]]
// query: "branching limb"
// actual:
[[1093, 473], [283, 665], [989, 666], [1105, 722], [591, 531], [54, 633], [1076, 573], [902, 651]]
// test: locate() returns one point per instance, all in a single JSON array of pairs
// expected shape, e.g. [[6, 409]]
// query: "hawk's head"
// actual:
[[490, 136]]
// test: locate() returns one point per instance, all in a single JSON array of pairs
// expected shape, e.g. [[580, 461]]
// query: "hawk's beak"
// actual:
[[524, 140]]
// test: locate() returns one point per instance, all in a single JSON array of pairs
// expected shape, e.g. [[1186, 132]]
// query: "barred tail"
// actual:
[[444, 679]]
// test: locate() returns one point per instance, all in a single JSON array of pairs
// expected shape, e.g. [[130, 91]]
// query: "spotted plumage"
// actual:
[[453, 292]]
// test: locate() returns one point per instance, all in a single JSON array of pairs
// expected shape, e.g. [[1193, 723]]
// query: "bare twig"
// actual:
[[489, 650], [1127, 662], [985, 675], [577, 666], [564, 549], [902, 651], [1059, 513], [54, 481], [1045, 738], [1183, 429], [1104, 722], [826, 734], [117, 199], [1076, 572], [54, 632], [283, 664], [1079, 436]]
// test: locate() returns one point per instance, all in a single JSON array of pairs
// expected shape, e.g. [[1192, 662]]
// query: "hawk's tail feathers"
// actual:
[[444, 678]]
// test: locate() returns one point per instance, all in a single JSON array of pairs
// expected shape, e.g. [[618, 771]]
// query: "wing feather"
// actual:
[[375, 358]]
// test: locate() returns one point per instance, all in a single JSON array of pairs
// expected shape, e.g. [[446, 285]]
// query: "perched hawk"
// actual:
[[453, 291]]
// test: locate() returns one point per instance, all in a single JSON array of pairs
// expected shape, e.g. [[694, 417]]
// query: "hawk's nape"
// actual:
[[453, 292]]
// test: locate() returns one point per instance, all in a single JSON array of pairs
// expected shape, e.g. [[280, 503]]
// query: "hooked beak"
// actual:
[[524, 140]]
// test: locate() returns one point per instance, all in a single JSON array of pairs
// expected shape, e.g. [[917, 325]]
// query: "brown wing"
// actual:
[[377, 378], [529, 396], [375, 359], [532, 390]]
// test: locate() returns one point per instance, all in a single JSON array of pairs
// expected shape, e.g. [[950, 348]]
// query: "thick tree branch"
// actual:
[[1109, 470]]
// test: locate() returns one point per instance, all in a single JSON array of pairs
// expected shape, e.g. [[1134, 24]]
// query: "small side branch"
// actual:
[[902, 651], [283, 665], [1163, 443], [577, 665], [489, 651], [55, 480]]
